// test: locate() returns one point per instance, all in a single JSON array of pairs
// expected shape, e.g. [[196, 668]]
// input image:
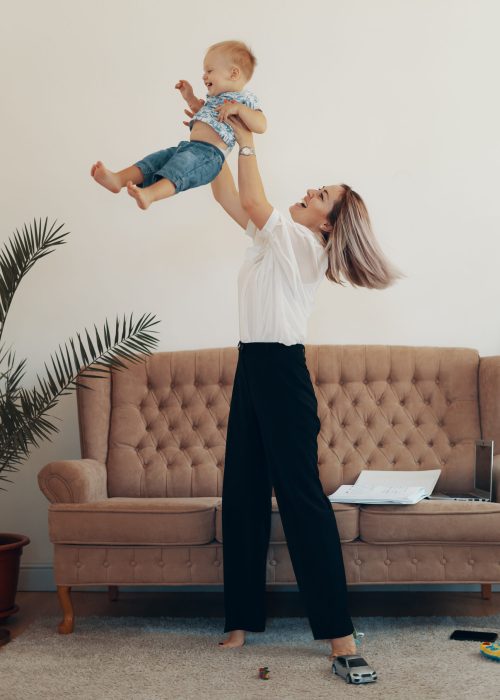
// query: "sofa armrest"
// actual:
[[489, 399], [74, 481]]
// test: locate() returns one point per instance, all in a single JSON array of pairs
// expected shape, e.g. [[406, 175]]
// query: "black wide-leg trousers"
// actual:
[[271, 442]]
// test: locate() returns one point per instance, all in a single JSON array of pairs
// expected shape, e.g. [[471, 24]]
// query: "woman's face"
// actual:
[[312, 211]]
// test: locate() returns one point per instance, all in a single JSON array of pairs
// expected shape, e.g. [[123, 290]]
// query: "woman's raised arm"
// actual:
[[225, 191], [227, 195]]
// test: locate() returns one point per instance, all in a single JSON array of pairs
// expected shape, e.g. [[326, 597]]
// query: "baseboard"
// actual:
[[40, 577]]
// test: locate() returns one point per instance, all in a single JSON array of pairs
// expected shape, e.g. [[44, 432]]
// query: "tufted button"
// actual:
[[367, 423], [380, 444], [414, 560], [189, 563], [443, 560], [330, 404], [133, 563], [405, 441], [343, 424], [355, 403], [452, 444], [78, 564], [387, 561], [471, 561], [221, 383], [195, 383], [331, 444], [393, 461], [430, 443], [448, 402], [368, 461], [389, 380], [443, 461], [172, 386], [378, 402], [437, 381], [195, 426], [355, 444], [358, 561], [161, 563], [106, 564], [341, 382], [365, 381], [393, 423], [402, 402], [427, 402], [441, 423], [273, 562]]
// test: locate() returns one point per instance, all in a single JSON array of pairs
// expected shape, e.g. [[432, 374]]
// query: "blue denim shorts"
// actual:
[[190, 164]]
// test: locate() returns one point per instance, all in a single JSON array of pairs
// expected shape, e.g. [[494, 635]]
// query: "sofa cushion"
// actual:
[[430, 521], [346, 515], [122, 520]]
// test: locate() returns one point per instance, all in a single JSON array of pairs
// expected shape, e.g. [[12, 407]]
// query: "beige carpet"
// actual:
[[111, 658]]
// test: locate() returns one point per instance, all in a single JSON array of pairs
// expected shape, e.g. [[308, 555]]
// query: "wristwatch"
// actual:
[[247, 151]]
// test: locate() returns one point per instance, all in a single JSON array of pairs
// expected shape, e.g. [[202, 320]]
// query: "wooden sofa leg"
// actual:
[[113, 593], [68, 622], [486, 591]]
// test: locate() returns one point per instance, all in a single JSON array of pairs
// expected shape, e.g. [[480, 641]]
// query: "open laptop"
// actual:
[[483, 477]]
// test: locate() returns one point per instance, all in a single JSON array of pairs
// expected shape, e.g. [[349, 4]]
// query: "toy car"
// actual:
[[353, 669]]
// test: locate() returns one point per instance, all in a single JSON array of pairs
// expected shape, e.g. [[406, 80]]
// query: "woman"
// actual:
[[273, 423]]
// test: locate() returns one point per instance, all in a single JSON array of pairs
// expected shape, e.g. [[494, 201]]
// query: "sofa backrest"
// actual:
[[160, 425]]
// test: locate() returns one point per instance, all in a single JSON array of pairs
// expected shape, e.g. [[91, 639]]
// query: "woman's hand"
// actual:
[[242, 133]]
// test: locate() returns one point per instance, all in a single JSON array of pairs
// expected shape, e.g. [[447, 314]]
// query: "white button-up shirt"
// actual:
[[278, 280]]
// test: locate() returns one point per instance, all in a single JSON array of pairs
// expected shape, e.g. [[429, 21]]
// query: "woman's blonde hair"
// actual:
[[239, 54], [353, 251]]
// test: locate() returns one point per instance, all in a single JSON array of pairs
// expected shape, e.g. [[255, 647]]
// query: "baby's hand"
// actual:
[[186, 90], [228, 109]]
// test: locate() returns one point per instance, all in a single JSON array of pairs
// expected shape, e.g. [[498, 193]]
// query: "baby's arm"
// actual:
[[253, 119], [187, 92]]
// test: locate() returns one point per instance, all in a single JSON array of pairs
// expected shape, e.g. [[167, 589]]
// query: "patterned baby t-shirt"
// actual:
[[210, 116]]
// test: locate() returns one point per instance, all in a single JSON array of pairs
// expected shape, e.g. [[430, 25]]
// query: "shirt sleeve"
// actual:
[[252, 101], [262, 234], [293, 245]]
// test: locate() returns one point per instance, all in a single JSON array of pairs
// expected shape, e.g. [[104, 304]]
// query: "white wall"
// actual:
[[397, 98]]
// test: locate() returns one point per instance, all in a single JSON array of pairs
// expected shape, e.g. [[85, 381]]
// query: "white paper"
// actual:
[[405, 487]]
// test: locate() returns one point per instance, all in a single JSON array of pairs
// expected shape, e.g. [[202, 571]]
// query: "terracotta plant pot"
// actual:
[[11, 548]]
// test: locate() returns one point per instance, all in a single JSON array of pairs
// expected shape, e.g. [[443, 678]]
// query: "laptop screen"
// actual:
[[484, 465]]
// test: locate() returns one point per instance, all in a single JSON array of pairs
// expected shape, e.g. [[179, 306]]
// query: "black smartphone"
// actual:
[[474, 636]]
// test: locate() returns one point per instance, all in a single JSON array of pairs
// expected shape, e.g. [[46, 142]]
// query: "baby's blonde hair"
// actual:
[[239, 54]]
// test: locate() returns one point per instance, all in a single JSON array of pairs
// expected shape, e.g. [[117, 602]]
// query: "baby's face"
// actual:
[[217, 74]]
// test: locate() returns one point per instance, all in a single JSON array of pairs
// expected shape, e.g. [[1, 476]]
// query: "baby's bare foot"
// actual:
[[138, 194], [105, 177], [342, 646], [236, 639]]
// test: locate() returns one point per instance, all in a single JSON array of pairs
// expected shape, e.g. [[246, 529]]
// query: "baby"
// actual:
[[227, 68]]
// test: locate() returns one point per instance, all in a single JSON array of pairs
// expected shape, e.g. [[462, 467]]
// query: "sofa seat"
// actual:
[[346, 516], [134, 521], [430, 521]]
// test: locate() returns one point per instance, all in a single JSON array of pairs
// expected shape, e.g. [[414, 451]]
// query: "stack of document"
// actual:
[[403, 487]]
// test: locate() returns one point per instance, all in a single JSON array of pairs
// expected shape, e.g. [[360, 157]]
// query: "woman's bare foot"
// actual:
[[236, 639], [105, 177], [140, 195], [342, 646]]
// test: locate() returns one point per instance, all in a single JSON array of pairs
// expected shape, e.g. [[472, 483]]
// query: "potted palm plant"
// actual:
[[23, 412]]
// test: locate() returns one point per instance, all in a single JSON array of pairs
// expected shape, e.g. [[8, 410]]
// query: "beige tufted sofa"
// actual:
[[143, 505]]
